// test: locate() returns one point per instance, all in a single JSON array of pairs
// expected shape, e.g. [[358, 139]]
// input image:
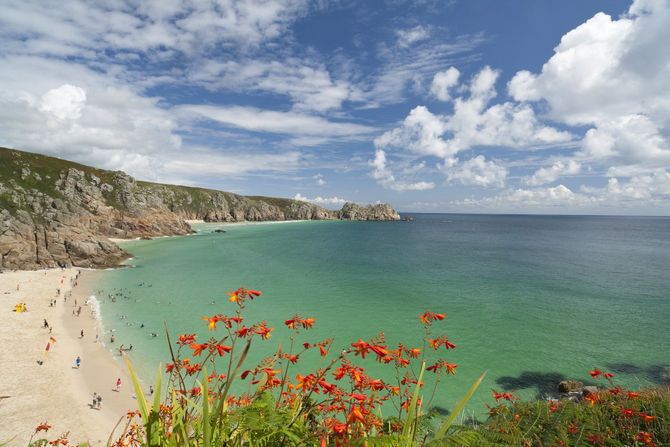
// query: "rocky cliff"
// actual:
[[54, 212]]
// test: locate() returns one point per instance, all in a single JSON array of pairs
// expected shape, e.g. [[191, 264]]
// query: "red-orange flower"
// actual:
[[646, 438], [361, 347], [42, 427], [595, 373], [198, 348], [356, 414]]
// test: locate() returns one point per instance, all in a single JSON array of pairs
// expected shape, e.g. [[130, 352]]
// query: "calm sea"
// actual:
[[530, 299]]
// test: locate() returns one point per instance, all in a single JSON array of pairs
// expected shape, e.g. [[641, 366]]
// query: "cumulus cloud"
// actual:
[[473, 123], [613, 76], [323, 201], [443, 81], [388, 180], [64, 102], [550, 174], [477, 171]]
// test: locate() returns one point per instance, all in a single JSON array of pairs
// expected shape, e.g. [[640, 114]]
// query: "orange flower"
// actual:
[[263, 330], [414, 352], [595, 373], [42, 427], [632, 395], [212, 321], [647, 418], [222, 349], [307, 323], [361, 347], [356, 414], [627, 412], [428, 317], [646, 438], [198, 348], [186, 339]]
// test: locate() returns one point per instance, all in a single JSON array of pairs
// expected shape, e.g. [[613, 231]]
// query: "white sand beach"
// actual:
[[55, 391]]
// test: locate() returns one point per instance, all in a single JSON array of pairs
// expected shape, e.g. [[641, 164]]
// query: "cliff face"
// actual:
[[54, 212]]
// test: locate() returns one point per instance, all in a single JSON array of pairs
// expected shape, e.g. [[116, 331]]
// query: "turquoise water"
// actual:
[[531, 299]]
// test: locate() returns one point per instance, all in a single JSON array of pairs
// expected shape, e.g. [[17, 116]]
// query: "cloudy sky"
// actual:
[[454, 106]]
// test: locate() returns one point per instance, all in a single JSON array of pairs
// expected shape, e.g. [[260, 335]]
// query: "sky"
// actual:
[[522, 106]]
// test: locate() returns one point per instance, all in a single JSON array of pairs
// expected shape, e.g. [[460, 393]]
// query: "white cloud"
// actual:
[[323, 201], [318, 178], [550, 174], [387, 179], [473, 123], [309, 84], [551, 199], [612, 75], [185, 26], [259, 120], [408, 37], [421, 133], [207, 162], [443, 81], [64, 102], [477, 171]]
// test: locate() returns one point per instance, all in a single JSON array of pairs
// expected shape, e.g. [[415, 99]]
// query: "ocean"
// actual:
[[531, 300]]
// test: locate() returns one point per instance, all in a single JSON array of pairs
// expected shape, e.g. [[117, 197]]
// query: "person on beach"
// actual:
[[95, 400], [118, 384], [46, 325], [82, 333], [78, 362], [99, 401]]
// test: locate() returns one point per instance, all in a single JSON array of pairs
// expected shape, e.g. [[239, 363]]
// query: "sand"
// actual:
[[56, 391]]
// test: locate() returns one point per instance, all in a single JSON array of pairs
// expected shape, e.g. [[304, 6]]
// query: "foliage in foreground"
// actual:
[[341, 405]]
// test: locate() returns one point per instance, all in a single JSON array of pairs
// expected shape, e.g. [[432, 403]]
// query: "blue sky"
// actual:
[[433, 106]]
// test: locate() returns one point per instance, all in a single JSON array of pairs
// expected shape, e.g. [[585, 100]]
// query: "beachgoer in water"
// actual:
[[151, 390], [154, 335], [111, 339]]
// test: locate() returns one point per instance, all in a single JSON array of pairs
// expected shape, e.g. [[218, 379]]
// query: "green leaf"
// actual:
[[459, 407], [141, 400], [407, 430]]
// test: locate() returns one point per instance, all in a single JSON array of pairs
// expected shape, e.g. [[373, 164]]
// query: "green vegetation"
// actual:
[[35, 172]]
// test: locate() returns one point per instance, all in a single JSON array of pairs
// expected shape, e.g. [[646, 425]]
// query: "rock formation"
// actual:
[[58, 213]]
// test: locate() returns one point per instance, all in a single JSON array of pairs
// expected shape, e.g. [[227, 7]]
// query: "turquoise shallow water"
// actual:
[[531, 299]]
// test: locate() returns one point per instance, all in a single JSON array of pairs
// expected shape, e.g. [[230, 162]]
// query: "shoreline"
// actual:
[[55, 391]]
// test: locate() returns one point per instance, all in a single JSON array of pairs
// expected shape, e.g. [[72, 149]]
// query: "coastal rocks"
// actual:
[[54, 212], [570, 386], [352, 211]]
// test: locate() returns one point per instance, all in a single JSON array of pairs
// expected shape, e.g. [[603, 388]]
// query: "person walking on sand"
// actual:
[[99, 401], [78, 362], [46, 325], [95, 400], [82, 333], [118, 384]]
